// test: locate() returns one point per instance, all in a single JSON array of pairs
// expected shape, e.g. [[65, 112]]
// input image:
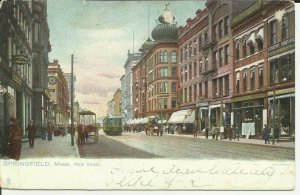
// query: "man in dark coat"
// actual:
[[229, 133], [15, 136], [31, 129], [266, 134]]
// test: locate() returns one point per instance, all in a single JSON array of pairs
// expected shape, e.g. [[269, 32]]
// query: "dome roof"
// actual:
[[147, 45], [166, 29]]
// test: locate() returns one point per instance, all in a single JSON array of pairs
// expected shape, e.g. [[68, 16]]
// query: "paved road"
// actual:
[[138, 145]]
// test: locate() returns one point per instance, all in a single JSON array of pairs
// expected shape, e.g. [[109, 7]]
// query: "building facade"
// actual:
[[155, 77], [126, 86], [58, 88], [24, 35], [264, 67], [114, 105]]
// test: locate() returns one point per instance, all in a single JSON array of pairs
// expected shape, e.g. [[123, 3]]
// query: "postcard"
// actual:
[[147, 95]]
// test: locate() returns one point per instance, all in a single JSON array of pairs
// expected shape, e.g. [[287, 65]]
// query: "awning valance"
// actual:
[[190, 118]]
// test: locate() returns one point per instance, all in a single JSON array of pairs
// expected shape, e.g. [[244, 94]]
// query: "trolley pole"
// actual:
[[72, 108]]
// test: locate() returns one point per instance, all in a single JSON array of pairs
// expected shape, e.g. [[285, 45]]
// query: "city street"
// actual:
[[139, 145]]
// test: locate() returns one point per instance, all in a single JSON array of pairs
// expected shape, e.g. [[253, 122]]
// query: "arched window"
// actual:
[[161, 56], [174, 56], [165, 56]]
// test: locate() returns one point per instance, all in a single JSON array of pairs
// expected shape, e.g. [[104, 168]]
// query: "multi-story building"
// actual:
[[155, 77], [58, 88], [24, 40], [114, 105], [126, 86], [264, 66]]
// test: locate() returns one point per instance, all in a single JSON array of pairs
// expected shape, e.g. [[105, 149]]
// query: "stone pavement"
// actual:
[[289, 144], [59, 147]]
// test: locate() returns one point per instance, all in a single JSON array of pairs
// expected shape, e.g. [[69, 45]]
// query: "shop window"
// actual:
[[273, 35], [174, 56], [285, 27]]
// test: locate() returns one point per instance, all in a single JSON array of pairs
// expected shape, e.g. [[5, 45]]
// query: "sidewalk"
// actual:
[[59, 147], [243, 141]]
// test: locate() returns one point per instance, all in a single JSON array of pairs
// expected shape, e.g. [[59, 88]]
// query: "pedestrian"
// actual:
[[266, 134], [206, 132], [229, 133], [31, 130], [195, 128], [15, 136], [5, 139], [50, 130], [217, 132], [213, 132], [236, 133]]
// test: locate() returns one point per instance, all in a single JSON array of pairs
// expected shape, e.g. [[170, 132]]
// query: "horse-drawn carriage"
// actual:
[[88, 129], [154, 127]]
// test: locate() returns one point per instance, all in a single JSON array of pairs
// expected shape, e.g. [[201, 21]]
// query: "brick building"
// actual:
[[264, 65]]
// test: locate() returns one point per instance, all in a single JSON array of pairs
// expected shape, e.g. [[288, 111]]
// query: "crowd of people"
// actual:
[[12, 138]]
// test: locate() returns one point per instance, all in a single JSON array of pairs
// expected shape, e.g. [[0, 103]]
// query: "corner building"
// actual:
[[264, 67]]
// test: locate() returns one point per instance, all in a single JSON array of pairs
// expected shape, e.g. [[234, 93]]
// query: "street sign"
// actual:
[[20, 59]]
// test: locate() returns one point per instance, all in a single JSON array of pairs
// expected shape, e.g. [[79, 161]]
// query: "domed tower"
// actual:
[[147, 45], [166, 29]]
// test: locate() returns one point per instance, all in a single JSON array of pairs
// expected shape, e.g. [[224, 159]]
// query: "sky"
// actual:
[[99, 34]]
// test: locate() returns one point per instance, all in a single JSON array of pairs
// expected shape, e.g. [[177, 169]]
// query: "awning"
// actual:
[[179, 116], [190, 118], [260, 34]]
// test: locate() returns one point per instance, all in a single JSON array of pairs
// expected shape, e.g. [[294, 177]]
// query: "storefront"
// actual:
[[284, 112]]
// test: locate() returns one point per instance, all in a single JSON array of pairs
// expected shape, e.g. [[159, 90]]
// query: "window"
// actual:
[[285, 27], [215, 31], [206, 63], [215, 88], [185, 95], [274, 71], [260, 77], [226, 85], [200, 66], [273, 38], [260, 44], [165, 56], [200, 42], [206, 37], [163, 87], [245, 80], [190, 71], [237, 84], [221, 57], [37, 32], [195, 69], [190, 49], [185, 74], [226, 25], [195, 47], [215, 59], [227, 54], [282, 69], [162, 56], [220, 86], [200, 89], [195, 92], [190, 94], [174, 57], [162, 72], [237, 50], [221, 29], [181, 75], [186, 52], [251, 47], [173, 87], [165, 103], [181, 55], [174, 72], [206, 89], [174, 102], [244, 49], [252, 78]]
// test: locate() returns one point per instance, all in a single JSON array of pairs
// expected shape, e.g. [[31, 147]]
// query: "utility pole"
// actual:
[[221, 113], [72, 95]]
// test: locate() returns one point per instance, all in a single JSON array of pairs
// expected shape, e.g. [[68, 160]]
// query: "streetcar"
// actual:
[[112, 125]]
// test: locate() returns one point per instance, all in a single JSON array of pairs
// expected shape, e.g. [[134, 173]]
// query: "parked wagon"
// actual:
[[88, 129]]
